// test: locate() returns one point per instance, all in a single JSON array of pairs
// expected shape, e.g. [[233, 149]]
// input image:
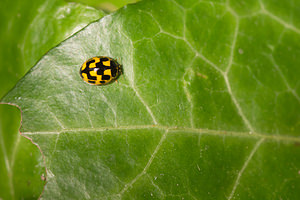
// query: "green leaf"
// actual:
[[21, 166], [30, 28], [207, 107]]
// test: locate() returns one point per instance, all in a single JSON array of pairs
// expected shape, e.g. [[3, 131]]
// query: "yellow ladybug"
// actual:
[[100, 70]]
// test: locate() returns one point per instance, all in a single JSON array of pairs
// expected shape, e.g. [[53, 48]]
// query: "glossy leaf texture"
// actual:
[[207, 107]]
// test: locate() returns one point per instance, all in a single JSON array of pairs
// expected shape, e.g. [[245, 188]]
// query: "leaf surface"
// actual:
[[207, 107]]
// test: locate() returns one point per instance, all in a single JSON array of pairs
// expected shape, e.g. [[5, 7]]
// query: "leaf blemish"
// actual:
[[241, 51], [202, 75]]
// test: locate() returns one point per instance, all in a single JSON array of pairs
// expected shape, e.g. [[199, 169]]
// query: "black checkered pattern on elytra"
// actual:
[[100, 69]]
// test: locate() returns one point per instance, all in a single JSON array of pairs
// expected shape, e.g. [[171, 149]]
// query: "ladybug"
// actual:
[[100, 70]]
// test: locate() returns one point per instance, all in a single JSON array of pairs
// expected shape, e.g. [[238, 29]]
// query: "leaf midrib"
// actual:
[[174, 129]]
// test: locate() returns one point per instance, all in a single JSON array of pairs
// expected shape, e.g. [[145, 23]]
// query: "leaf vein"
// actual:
[[290, 89], [278, 19], [237, 181], [147, 165]]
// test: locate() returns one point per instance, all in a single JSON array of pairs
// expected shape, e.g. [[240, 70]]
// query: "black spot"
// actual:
[[114, 72], [105, 77], [104, 59], [102, 81], [87, 71], [92, 82], [101, 68], [114, 69], [89, 62]]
